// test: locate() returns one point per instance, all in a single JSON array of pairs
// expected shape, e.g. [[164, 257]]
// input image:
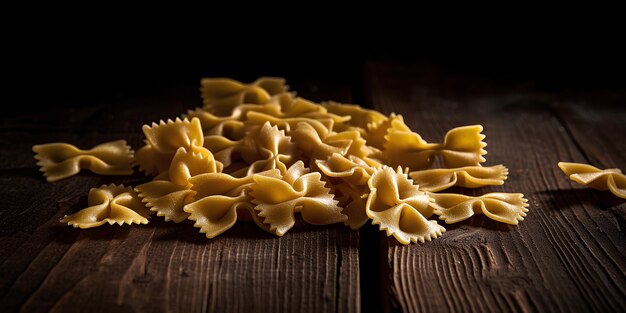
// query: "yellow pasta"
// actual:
[[242, 157], [353, 199], [110, 204], [170, 192], [298, 107], [231, 128], [222, 95], [360, 117], [351, 169], [610, 179], [399, 208], [166, 199], [224, 150], [168, 137], [187, 164], [469, 177], [316, 147], [61, 160], [322, 126], [267, 148], [357, 143], [164, 139], [278, 199], [509, 208], [221, 198], [462, 146]]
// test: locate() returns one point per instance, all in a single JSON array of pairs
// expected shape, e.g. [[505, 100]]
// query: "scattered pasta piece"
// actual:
[[434, 180], [610, 179], [509, 208], [399, 208], [62, 160], [110, 204]]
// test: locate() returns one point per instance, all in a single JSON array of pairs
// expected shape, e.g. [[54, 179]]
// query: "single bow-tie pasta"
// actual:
[[61, 160], [462, 146], [509, 208], [610, 179], [278, 199], [110, 204], [222, 95], [164, 139], [434, 180], [399, 208]]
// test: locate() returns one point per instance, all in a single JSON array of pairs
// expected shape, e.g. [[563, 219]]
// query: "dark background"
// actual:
[[66, 67]]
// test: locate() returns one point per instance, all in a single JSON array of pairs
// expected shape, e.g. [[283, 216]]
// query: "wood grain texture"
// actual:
[[159, 267], [569, 253]]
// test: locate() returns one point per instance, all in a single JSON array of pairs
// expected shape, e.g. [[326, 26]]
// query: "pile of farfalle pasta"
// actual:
[[257, 152]]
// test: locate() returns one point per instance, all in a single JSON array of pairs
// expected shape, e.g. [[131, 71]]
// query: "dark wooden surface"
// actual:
[[158, 267], [568, 255]]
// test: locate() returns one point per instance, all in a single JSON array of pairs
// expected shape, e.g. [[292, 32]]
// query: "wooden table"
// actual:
[[568, 255]]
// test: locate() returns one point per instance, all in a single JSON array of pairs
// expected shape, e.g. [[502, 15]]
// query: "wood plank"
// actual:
[[601, 132], [45, 266], [568, 255]]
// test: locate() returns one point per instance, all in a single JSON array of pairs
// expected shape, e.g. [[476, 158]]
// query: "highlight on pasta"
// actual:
[[257, 152]]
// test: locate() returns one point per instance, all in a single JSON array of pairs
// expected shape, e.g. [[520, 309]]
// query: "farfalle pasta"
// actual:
[[297, 190], [222, 95], [462, 146], [509, 208], [61, 160], [256, 152], [400, 208], [224, 150], [360, 117], [610, 179], [221, 199], [164, 139], [353, 170], [110, 204], [267, 148], [322, 126], [318, 146], [353, 200], [171, 191], [434, 180]]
